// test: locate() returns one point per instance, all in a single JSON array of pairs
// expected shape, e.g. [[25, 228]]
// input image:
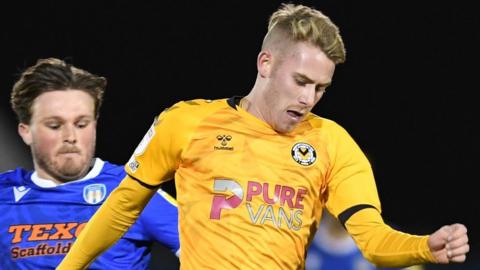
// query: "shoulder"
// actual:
[[327, 131], [200, 103], [13, 177], [184, 116], [113, 170], [195, 108], [318, 122], [103, 173]]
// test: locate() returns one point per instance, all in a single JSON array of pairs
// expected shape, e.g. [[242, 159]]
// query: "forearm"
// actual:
[[109, 223], [384, 246]]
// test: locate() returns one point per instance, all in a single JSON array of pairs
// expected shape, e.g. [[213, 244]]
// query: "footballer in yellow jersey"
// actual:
[[245, 193], [252, 174], [248, 197]]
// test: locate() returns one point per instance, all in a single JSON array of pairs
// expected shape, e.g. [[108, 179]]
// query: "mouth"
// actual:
[[295, 115], [69, 152]]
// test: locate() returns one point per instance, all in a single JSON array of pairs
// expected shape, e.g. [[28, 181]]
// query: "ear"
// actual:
[[264, 63], [25, 132]]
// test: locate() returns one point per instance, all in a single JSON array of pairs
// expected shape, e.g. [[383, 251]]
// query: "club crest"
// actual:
[[304, 154], [94, 193]]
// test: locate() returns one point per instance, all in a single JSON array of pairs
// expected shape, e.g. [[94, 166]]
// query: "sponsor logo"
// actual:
[[280, 206], [24, 235], [133, 164], [43, 249]]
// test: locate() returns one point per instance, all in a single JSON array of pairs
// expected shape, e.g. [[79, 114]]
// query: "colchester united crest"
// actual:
[[94, 193], [304, 154]]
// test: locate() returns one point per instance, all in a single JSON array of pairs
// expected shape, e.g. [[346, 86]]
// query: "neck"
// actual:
[[250, 104]]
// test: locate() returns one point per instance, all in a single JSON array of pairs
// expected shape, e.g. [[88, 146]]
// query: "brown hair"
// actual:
[[53, 74]]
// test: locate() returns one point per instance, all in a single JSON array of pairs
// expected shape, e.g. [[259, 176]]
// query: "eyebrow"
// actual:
[[308, 80], [59, 118]]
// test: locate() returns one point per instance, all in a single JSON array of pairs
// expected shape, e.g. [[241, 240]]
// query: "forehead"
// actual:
[[63, 104], [309, 60]]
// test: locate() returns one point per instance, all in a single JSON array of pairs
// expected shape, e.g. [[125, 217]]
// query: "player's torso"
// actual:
[[248, 194], [39, 225]]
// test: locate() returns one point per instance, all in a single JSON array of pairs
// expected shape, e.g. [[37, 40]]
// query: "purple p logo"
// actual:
[[222, 201]]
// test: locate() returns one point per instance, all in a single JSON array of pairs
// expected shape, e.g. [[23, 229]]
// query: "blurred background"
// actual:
[[407, 92]]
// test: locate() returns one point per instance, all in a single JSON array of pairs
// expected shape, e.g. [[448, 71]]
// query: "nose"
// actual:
[[69, 134], [307, 96]]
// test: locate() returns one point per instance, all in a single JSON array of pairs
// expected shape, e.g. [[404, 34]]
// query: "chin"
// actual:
[[283, 130], [72, 168], [71, 173], [289, 128]]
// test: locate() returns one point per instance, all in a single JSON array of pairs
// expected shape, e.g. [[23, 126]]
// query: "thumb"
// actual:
[[440, 237], [437, 242]]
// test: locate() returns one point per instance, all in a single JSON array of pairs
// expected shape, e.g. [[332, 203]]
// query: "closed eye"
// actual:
[[82, 124], [53, 126], [321, 88], [300, 82]]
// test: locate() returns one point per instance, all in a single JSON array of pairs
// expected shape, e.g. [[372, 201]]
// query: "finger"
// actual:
[[457, 242], [439, 239], [459, 251], [457, 230], [444, 232], [458, 259]]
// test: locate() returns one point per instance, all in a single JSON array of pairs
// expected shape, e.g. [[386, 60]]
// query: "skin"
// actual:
[[290, 82], [61, 134], [449, 243]]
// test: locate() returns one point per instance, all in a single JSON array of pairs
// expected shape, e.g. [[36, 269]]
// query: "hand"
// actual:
[[449, 244]]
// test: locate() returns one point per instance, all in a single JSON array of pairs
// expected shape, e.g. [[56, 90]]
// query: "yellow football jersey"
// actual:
[[248, 197]]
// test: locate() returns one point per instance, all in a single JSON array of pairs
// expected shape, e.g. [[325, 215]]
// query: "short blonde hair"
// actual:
[[302, 23]]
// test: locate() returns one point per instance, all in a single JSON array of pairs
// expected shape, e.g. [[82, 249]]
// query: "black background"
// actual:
[[407, 93]]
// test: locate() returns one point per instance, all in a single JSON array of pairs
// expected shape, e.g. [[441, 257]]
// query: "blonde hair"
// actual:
[[301, 23]]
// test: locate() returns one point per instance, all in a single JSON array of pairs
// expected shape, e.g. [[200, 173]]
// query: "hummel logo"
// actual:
[[19, 192], [224, 139]]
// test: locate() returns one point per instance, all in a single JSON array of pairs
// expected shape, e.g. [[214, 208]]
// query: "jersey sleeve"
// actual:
[[157, 156], [351, 184], [384, 246], [353, 199]]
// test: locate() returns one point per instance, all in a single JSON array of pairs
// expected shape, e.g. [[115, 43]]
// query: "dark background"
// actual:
[[407, 93]]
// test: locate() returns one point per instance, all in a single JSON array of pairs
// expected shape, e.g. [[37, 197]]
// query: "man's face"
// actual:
[[295, 84], [61, 134]]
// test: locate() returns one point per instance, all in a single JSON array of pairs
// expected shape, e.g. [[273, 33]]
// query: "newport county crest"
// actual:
[[304, 154], [94, 193]]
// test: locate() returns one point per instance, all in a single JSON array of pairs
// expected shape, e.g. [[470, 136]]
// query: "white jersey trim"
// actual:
[[49, 183]]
